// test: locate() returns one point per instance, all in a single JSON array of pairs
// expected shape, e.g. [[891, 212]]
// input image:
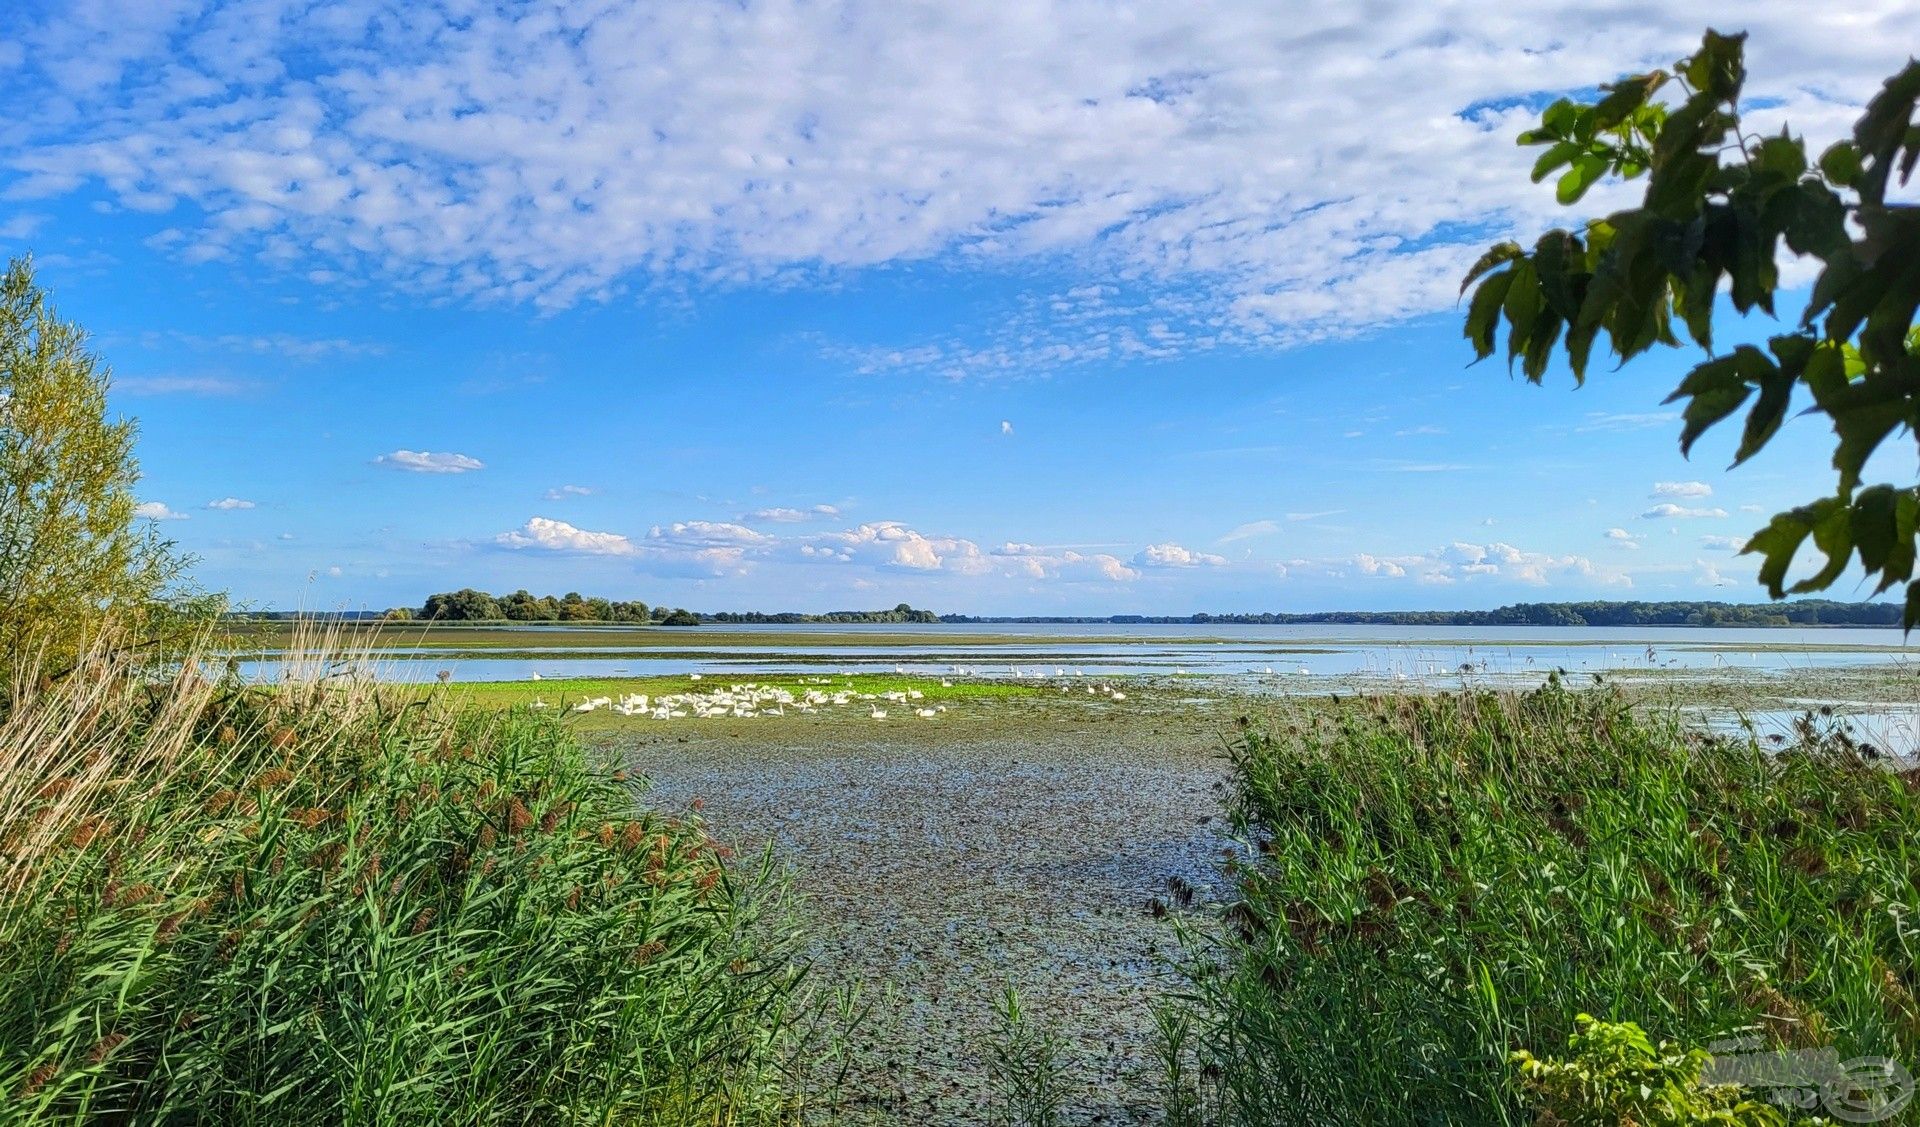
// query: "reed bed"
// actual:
[[1436, 882], [325, 902]]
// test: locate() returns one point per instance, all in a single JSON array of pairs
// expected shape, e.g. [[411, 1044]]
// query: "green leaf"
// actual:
[[1522, 307], [1833, 535], [1554, 257], [1553, 158], [1587, 169], [1876, 530], [1717, 69], [1777, 543], [1626, 97], [1840, 164], [1495, 255], [1560, 116], [1882, 130], [1716, 389], [1768, 412], [1483, 315], [1783, 155]]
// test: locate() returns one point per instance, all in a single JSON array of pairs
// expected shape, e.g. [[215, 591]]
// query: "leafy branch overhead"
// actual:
[[1719, 205]]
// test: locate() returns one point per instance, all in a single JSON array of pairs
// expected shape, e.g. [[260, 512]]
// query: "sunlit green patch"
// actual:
[[562, 692]]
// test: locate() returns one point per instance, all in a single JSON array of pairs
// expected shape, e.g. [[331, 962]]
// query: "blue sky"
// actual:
[[820, 306]]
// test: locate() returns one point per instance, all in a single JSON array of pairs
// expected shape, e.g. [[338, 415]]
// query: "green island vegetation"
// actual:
[[326, 900]]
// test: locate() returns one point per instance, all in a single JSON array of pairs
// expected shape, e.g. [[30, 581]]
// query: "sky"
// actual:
[[1050, 308]]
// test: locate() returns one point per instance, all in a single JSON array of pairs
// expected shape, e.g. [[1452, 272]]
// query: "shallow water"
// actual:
[[1426, 655]]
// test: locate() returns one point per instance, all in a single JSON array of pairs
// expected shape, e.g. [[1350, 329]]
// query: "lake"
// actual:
[[1275, 654]]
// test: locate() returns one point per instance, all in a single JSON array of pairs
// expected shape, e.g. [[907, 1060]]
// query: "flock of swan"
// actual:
[[749, 699]]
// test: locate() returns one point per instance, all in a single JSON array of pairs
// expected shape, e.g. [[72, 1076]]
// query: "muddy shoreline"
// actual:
[[939, 865]]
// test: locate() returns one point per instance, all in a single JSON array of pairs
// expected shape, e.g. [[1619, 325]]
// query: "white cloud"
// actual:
[[1173, 555], [791, 516], [1671, 511], [1727, 543], [1622, 538], [1006, 427], [561, 493], [1251, 529], [1614, 421], [1461, 562], [1065, 564], [180, 385], [1204, 152], [894, 545], [229, 504], [558, 536], [1296, 517], [156, 510], [422, 461], [1682, 489], [1374, 565]]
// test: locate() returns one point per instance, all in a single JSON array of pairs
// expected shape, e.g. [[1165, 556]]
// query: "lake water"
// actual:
[[1427, 654]]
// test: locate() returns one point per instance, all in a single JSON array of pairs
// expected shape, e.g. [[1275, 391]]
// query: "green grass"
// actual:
[[1440, 881], [337, 904], [561, 691]]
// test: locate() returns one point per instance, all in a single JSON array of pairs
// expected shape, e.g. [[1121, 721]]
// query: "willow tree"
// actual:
[[1722, 208], [73, 553]]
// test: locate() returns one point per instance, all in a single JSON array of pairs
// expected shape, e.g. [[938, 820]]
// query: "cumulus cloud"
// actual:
[[894, 545], [1682, 489], [1006, 427], [422, 461], [229, 504], [1462, 562], [1067, 564], [156, 510], [1621, 538], [1725, 543], [550, 535], [1671, 511], [563, 492], [551, 153], [1173, 555], [702, 548]]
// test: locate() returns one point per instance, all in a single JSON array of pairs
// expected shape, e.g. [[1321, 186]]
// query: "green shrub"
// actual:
[[1616, 1075], [322, 903], [1439, 881]]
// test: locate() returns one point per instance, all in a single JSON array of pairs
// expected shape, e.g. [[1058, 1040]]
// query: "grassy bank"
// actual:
[[340, 904], [1440, 881]]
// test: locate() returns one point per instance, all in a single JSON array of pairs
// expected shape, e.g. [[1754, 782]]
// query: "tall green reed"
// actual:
[[326, 902], [1439, 881]]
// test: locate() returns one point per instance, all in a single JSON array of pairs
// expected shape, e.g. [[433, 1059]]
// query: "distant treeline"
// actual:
[[469, 605], [901, 613], [1806, 612]]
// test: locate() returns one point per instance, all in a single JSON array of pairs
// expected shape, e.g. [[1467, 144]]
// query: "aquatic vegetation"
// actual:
[[1439, 881], [332, 902]]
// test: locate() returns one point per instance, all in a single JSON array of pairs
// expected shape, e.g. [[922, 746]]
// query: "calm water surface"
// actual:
[[1427, 654]]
